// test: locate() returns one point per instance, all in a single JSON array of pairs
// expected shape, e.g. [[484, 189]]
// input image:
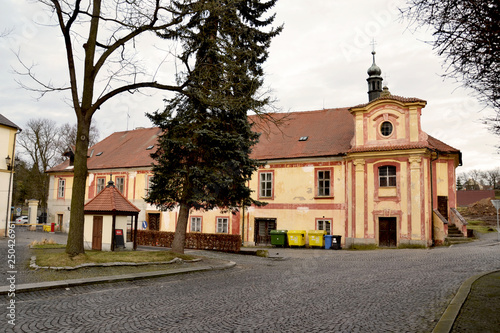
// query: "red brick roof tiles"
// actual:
[[393, 98], [327, 132], [110, 200]]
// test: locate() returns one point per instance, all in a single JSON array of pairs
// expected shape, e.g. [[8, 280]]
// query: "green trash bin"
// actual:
[[278, 238], [316, 238]]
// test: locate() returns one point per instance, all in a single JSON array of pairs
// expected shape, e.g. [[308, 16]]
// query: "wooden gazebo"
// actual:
[[106, 219]]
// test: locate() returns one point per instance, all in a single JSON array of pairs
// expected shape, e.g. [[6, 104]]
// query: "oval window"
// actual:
[[386, 128]]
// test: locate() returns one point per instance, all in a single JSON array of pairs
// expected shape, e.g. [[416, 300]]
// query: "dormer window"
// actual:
[[386, 128]]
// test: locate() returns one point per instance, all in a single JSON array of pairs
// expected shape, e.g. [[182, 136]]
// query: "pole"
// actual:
[[496, 203]]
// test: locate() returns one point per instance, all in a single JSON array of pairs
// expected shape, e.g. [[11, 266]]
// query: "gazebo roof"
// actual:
[[110, 200]]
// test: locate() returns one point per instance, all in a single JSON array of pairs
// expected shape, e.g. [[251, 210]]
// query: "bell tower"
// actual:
[[374, 80]]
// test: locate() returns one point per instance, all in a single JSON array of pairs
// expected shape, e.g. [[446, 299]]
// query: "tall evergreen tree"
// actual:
[[203, 158]]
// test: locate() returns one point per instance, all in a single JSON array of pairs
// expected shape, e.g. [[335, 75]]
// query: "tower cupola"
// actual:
[[374, 80]]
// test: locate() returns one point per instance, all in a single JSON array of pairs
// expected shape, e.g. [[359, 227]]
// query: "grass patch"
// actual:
[[411, 246], [479, 226], [48, 246], [59, 258], [363, 247]]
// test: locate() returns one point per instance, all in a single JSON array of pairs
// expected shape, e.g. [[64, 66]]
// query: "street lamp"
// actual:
[[7, 161]]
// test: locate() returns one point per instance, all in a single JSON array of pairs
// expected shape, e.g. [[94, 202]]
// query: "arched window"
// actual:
[[387, 176]]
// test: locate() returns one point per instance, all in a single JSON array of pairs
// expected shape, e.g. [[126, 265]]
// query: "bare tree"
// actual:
[[467, 34], [38, 143], [493, 177], [67, 137], [107, 31]]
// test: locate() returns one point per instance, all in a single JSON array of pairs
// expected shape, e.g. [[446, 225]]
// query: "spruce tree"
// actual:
[[203, 157]]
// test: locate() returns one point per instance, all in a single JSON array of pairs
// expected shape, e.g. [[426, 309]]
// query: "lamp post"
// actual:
[[7, 162], [496, 203]]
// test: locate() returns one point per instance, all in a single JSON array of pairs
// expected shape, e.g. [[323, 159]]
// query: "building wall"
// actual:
[[7, 140]]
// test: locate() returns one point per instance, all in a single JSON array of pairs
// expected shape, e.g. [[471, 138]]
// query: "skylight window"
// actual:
[[303, 138], [99, 153], [149, 147]]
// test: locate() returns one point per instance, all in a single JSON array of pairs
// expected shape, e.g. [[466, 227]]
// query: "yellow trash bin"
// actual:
[[296, 237], [317, 237]]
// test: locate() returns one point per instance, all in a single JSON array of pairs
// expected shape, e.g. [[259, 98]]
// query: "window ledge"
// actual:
[[324, 197]]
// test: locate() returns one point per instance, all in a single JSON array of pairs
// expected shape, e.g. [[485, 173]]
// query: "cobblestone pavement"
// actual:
[[306, 290]]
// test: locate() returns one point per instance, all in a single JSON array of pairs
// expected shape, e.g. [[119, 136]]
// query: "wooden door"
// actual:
[[154, 221], [388, 232], [443, 206], [263, 229], [97, 233]]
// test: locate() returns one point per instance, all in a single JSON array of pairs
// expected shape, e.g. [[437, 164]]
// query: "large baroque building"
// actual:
[[368, 173]]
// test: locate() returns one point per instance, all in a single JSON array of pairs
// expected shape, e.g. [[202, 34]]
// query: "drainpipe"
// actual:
[[7, 214], [432, 192]]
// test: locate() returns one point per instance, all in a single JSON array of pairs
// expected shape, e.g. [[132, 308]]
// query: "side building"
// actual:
[[8, 132]]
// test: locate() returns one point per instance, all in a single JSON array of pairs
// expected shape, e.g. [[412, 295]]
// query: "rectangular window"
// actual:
[[222, 223], [266, 184], [100, 184], [120, 184], [61, 187], [324, 183], [387, 176], [149, 179], [195, 224], [325, 225]]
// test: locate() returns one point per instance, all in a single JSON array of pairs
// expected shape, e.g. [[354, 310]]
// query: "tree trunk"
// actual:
[[180, 230], [74, 245]]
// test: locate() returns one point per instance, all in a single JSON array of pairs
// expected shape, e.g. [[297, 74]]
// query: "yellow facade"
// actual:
[[382, 190]]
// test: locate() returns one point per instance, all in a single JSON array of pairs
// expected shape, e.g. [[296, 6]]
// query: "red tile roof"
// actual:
[[431, 143], [110, 200], [120, 150], [329, 133], [393, 98]]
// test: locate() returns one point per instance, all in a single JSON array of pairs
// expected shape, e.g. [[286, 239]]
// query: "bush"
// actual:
[[199, 241]]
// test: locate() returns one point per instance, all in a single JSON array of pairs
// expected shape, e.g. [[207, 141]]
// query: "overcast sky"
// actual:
[[319, 61]]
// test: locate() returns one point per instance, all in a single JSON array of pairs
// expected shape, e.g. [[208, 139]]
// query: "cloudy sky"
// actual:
[[319, 61]]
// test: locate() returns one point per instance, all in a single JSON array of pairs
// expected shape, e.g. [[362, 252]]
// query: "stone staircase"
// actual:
[[455, 236]]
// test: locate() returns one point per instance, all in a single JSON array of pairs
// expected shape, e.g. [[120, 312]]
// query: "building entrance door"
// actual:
[[97, 233], [443, 206], [263, 229], [154, 221], [387, 232]]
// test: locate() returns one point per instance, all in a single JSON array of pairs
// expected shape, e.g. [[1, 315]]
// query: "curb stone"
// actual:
[[111, 264], [449, 316], [107, 279]]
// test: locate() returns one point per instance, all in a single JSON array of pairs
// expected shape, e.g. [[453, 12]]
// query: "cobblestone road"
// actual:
[[306, 291]]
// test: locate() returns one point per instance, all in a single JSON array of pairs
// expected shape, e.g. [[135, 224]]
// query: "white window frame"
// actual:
[[325, 224], [195, 224], [386, 179], [101, 186], [266, 184], [61, 188], [120, 187], [324, 184], [222, 225]]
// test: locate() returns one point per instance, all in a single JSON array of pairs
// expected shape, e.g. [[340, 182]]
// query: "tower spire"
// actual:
[[374, 78]]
